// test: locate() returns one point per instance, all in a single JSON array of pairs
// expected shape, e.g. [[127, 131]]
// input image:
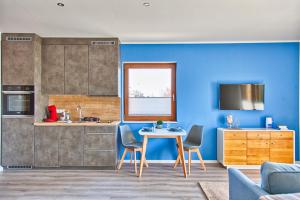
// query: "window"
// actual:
[[149, 91]]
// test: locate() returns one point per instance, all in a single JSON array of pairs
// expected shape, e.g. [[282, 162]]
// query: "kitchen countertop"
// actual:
[[113, 123]]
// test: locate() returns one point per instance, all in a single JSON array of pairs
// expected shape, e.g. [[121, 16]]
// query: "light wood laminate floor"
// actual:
[[159, 181]]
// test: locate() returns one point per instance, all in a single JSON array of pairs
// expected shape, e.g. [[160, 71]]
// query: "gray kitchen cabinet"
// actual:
[[76, 69], [53, 69], [103, 69], [100, 146], [17, 59], [71, 146], [17, 141], [46, 146]]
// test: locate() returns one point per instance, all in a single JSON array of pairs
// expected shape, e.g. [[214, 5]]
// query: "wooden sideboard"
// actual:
[[252, 147]]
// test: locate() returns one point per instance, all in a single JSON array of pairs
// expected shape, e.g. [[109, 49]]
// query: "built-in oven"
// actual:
[[17, 100]]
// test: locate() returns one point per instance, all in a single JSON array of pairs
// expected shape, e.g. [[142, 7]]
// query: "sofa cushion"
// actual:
[[277, 178]]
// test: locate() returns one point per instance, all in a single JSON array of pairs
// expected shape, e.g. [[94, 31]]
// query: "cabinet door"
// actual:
[[103, 70], [17, 141], [71, 146], [76, 69], [235, 152], [53, 69], [17, 62], [282, 147], [257, 151], [46, 146]]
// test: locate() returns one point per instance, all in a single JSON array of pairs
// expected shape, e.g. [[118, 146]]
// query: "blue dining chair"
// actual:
[[131, 145], [192, 143]]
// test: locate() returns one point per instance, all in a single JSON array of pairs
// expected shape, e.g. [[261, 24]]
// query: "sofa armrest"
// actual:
[[241, 187]]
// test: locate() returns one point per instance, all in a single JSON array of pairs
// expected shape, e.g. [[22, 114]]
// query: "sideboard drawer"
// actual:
[[258, 144], [258, 135], [234, 135], [282, 144], [282, 135], [235, 145]]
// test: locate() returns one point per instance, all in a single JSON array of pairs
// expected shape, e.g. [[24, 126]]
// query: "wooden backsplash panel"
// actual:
[[107, 108]]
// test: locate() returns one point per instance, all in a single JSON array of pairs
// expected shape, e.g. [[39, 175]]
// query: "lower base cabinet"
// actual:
[[17, 142], [71, 146], [46, 146], [100, 146], [66, 146]]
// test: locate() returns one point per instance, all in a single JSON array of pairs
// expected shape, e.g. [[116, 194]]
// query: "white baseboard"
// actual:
[[1, 168], [297, 162], [172, 161]]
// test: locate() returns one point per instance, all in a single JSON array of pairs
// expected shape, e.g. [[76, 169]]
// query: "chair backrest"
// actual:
[[127, 136], [195, 135]]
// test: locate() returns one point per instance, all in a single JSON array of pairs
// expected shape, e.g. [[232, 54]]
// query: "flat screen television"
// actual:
[[241, 97]]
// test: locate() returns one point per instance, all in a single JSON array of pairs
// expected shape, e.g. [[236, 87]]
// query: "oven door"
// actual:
[[18, 103]]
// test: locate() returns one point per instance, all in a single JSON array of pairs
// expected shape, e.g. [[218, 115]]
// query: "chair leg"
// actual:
[[189, 151], [122, 159], [201, 160], [177, 161], [135, 165], [146, 163], [130, 158]]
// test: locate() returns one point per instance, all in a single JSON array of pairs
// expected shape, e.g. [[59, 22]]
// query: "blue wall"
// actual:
[[202, 67]]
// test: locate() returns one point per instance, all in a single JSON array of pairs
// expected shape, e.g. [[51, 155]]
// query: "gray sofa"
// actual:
[[276, 178]]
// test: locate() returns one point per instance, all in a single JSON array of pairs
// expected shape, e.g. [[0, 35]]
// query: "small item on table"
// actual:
[[147, 129], [159, 124], [175, 129]]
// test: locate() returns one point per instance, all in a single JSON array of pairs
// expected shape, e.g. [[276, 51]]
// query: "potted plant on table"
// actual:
[[159, 124]]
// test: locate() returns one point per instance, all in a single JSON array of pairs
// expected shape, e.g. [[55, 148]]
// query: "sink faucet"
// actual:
[[80, 112]]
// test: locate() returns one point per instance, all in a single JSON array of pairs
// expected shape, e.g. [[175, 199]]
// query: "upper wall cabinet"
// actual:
[[103, 68], [53, 61], [76, 69], [83, 66], [18, 59]]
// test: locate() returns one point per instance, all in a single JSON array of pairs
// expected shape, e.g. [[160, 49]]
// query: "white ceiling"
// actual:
[[165, 21]]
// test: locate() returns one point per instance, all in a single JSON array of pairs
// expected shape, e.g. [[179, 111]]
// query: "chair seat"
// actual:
[[134, 145], [190, 146]]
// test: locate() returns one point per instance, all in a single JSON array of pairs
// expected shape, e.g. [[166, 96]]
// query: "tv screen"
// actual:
[[241, 97]]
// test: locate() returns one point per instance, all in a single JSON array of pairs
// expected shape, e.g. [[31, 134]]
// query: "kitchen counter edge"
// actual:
[[114, 123]]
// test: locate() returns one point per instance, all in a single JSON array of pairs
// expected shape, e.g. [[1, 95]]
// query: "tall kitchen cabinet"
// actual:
[[21, 59], [82, 66]]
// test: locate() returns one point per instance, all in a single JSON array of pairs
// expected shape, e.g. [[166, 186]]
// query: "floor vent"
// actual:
[[19, 167], [18, 39], [103, 42]]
